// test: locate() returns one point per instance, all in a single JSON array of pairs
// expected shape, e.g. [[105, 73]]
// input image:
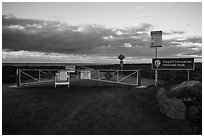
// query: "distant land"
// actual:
[[61, 64]]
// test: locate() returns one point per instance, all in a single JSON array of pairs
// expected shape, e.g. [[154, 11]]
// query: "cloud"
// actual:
[[53, 36], [173, 32], [48, 37]]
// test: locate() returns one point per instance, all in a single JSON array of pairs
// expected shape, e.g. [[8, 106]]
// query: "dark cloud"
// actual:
[[12, 20], [54, 36]]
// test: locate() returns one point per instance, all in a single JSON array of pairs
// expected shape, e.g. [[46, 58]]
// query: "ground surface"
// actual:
[[87, 107]]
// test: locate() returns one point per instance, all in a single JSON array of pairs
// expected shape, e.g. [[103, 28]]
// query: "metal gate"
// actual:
[[128, 77], [29, 76]]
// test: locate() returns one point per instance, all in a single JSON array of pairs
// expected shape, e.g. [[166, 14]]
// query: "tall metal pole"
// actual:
[[39, 75], [18, 77], [188, 75], [98, 74], [121, 67], [117, 77], [156, 72]]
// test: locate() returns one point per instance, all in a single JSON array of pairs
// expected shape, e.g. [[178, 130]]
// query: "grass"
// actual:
[[86, 108]]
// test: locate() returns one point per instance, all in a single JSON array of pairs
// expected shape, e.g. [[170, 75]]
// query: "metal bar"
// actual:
[[117, 69], [34, 82], [156, 77], [61, 69], [30, 76], [104, 76], [188, 75], [138, 77], [17, 77], [116, 82], [39, 75], [40, 69], [98, 74], [42, 72], [156, 52], [128, 84], [127, 76], [156, 72], [117, 77], [128, 70]]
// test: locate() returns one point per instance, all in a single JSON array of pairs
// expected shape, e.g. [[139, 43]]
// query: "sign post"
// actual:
[[188, 75], [18, 75], [121, 57], [156, 41]]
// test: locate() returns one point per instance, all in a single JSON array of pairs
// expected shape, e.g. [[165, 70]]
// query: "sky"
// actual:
[[88, 32]]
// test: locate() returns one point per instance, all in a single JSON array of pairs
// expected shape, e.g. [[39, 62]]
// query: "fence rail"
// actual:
[[128, 77]]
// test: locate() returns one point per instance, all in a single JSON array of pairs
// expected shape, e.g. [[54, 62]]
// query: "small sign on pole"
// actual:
[[85, 74], [121, 64], [121, 57], [156, 41], [70, 68]]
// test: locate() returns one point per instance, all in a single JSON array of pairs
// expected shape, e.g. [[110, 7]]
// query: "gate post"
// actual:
[[98, 74], [117, 77], [18, 75], [39, 75], [138, 77], [188, 75]]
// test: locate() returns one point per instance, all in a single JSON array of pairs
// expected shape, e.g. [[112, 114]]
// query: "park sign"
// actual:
[[173, 63], [156, 38]]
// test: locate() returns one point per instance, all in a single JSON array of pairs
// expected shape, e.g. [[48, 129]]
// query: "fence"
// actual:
[[128, 77]]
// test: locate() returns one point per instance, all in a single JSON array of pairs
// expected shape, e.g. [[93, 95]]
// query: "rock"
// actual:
[[187, 89], [194, 110], [172, 107]]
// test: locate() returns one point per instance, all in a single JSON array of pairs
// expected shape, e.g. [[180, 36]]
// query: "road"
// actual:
[[86, 108]]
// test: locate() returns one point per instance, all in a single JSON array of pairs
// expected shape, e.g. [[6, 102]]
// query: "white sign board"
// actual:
[[156, 38], [85, 74], [70, 68]]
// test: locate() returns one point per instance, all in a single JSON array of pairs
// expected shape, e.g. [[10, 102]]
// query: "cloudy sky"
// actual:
[[99, 32]]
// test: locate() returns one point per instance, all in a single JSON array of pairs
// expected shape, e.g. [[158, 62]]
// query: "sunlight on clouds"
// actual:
[[108, 37], [127, 45], [35, 26], [16, 27]]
